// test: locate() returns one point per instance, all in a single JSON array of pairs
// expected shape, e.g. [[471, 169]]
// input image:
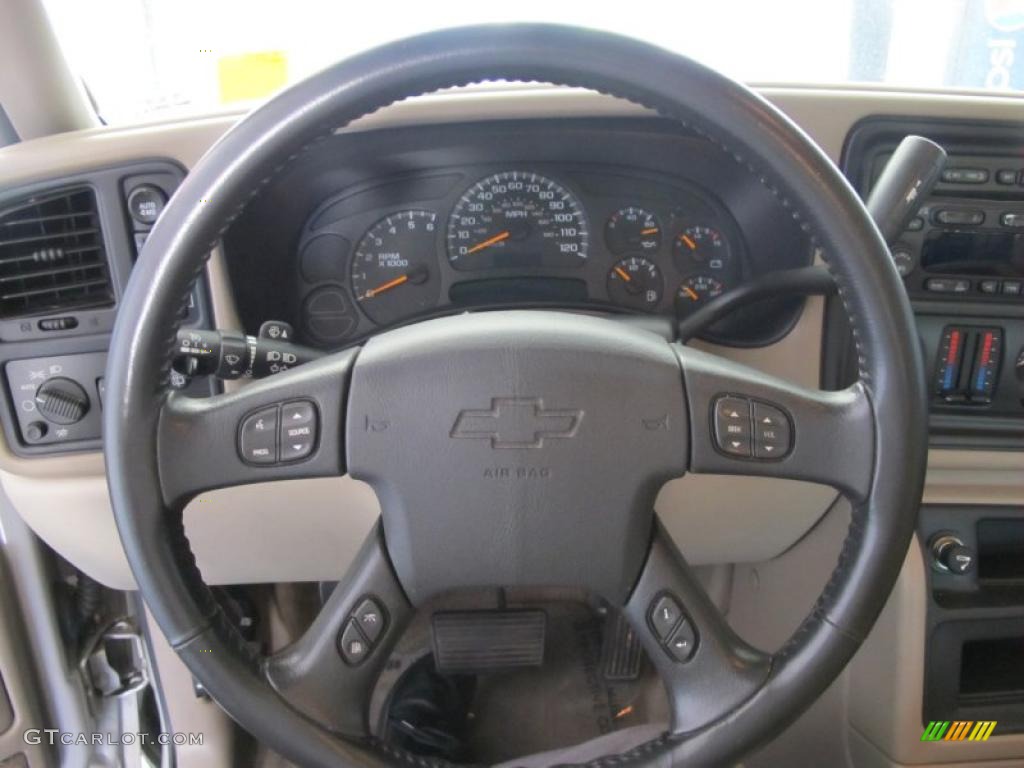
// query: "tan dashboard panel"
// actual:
[[886, 685], [826, 114], [975, 477], [309, 530], [64, 499], [306, 530], [72, 514]]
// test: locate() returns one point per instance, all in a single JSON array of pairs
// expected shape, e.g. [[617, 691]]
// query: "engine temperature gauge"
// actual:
[[696, 291], [635, 283]]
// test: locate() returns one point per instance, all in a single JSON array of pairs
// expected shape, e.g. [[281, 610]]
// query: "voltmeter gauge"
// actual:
[[703, 247]]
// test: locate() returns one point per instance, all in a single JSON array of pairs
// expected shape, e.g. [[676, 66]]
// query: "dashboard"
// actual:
[[623, 217], [427, 155]]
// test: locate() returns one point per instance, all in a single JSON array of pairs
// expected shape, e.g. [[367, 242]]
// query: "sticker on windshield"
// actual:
[[251, 75]]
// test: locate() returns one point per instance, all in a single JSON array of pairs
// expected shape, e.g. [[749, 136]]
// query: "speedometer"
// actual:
[[517, 219]]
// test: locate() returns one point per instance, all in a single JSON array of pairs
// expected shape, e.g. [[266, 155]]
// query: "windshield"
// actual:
[[142, 59]]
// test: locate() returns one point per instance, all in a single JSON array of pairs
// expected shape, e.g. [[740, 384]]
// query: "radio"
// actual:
[[964, 248]]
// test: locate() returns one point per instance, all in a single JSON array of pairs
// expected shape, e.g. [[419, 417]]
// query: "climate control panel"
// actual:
[[968, 364], [975, 385]]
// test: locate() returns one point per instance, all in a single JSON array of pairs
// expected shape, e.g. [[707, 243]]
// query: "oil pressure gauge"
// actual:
[[632, 229]]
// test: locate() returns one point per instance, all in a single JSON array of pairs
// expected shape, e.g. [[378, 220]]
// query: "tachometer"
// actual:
[[394, 270], [517, 219]]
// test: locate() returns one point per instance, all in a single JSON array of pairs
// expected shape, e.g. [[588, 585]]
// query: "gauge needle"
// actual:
[[623, 274], [650, 231], [689, 242], [490, 241], [386, 287], [691, 293]]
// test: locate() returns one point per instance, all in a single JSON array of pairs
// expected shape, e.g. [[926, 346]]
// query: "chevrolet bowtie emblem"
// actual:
[[516, 422]]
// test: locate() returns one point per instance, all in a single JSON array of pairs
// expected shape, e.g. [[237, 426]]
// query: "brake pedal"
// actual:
[[621, 651], [478, 641]]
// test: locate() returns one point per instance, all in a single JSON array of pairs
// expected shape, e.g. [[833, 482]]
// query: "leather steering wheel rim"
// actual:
[[746, 128]]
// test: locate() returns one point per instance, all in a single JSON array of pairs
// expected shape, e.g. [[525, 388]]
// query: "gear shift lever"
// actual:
[[906, 180]]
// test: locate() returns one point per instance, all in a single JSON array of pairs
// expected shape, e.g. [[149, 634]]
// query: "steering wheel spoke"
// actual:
[[745, 422], [284, 427], [707, 669], [328, 674]]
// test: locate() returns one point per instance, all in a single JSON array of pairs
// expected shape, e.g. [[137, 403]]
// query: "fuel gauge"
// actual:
[[696, 291], [636, 283]]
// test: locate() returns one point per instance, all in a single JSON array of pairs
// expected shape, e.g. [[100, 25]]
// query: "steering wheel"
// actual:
[[518, 448]]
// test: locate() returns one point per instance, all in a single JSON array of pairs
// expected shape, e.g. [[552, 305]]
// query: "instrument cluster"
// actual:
[[402, 249]]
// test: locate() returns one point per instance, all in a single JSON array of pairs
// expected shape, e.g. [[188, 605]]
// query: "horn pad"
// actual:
[[517, 448]]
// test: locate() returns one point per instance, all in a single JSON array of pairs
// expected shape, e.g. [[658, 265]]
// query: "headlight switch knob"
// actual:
[[62, 401]]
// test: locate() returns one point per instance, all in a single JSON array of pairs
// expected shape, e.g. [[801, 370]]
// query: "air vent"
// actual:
[[52, 256]]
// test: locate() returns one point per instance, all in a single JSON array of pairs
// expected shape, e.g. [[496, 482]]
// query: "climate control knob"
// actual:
[[62, 401]]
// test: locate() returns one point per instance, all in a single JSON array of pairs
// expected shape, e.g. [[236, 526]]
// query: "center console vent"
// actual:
[[52, 256]]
